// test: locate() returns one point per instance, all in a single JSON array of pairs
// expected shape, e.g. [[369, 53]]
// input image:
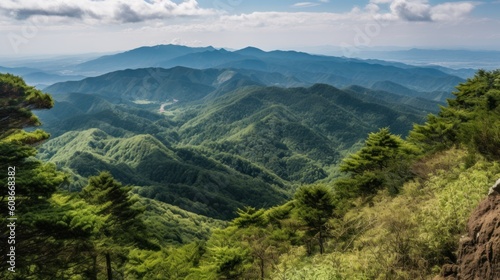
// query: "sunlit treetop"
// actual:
[[17, 100]]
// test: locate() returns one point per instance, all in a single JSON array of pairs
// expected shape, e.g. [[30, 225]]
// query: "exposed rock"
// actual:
[[479, 251], [495, 189], [448, 272]]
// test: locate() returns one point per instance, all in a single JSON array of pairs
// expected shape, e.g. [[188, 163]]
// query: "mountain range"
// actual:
[[214, 140], [211, 130], [298, 67], [243, 164], [271, 68]]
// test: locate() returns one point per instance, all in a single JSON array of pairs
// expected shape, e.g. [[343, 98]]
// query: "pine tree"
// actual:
[[17, 100], [471, 118], [122, 227], [29, 181], [315, 206], [383, 162], [17, 146]]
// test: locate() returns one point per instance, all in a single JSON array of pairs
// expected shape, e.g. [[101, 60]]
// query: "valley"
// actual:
[[172, 162], [226, 137], [249, 140]]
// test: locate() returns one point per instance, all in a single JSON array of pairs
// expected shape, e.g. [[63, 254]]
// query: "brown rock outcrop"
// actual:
[[479, 251]]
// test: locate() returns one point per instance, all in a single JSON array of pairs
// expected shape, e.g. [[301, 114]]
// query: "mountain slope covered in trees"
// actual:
[[390, 207], [219, 150], [398, 212]]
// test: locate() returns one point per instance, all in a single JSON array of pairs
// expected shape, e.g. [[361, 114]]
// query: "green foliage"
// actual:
[[294, 137], [45, 230], [444, 216], [245, 146], [383, 162], [103, 190], [328, 267], [380, 148], [471, 118], [183, 176], [315, 205], [121, 228], [17, 100], [169, 263], [400, 237], [93, 230], [436, 134], [249, 216], [484, 135], [403, 236], [232, 155], [226, 257], [172, 226], [51, 233]]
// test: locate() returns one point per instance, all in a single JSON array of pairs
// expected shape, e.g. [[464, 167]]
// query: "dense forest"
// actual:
[[391, 206]]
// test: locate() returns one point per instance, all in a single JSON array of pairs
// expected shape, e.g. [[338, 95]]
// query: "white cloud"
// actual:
[[451, 11], [372, 8], [297, 20], [420, 10], [120, 11], [382, 22], [305, 4], [380, 1], [132, 11], [412, 10]]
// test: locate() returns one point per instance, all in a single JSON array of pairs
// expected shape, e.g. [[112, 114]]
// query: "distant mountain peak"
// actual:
[[250, 50], [141, 57]]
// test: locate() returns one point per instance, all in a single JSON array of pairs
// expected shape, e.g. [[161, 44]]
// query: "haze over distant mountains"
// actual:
[[468, 59], [457, 58], [286, 68], [212, 130], [283, 68]]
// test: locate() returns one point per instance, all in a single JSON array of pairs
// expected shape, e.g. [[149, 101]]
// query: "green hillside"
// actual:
[[249, 146], [171, 225], [317, 182], [296, 133], [370, 228], [180, 177]]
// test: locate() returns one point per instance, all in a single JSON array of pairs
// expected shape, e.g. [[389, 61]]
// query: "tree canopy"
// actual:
[[471, 118], [383, 161], [29, 181], [17, 102], [315, 205]]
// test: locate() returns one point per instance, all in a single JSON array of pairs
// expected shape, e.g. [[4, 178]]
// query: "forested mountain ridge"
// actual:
[[279, 68], [396, 212], [299, 68], [217, 134]]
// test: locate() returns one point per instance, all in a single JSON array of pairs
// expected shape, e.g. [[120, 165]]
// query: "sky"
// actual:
[[56, 27]]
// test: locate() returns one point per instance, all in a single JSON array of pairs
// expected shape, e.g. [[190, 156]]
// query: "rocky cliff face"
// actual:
[[479, 251]]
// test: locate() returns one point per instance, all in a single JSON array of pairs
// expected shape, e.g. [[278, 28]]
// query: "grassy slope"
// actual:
[[404, 237]]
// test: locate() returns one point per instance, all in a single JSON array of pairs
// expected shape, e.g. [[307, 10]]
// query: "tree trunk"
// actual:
[[262, 268], [93, 275], [320, 241], [108, 266]]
